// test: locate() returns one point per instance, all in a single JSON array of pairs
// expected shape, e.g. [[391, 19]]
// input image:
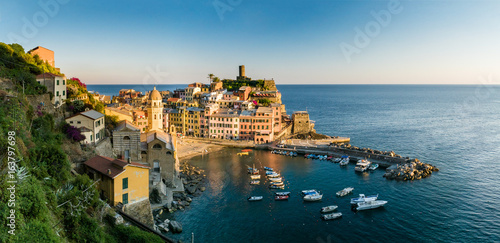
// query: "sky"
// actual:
[[292, 42]]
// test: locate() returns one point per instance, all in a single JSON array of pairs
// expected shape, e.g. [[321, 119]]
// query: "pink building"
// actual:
[[224, 124], [140, 120]]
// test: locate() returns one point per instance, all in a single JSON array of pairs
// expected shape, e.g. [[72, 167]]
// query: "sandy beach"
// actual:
[[187, 148]]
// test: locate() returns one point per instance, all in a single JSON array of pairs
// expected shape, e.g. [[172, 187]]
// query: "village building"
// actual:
[[56, 84], [91, 124]]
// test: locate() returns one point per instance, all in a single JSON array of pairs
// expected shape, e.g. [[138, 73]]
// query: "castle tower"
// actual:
[[155, 111]]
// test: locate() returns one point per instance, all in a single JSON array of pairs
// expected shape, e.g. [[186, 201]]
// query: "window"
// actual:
[[157, 146], [64, 92], [57, 82], [78, 122], [71, 122], [125, 198], [125, 183], [57, 93], [64, 82], [91, 138]]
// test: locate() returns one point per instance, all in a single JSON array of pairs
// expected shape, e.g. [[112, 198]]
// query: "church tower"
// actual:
[[155, 111]]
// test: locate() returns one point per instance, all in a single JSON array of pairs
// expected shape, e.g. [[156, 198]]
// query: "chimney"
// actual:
[[109, 171]]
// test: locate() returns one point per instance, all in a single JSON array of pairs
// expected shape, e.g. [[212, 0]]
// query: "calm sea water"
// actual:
[[456, 128]]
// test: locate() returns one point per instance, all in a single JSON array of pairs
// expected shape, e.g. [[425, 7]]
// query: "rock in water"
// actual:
[[175, 226]]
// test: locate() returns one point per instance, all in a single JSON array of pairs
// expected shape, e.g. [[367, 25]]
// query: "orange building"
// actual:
[[44, 54]]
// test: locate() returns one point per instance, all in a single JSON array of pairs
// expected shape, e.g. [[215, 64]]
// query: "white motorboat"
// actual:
[[280, 183], [313, 197], [344, 160], [255, 198], [363, 198], [362, 165], [373, 167], [276, 186], [345, 191], [282, 193], [336, 160], [255, 177], [308, 192], [276, 179], [328, 209], [370, 205], [273, 175], [254, 182], [331, 216]]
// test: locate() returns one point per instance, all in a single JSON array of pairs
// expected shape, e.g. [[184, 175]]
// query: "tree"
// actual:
[[211, 76]]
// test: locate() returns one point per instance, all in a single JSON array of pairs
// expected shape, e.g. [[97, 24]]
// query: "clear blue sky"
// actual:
[[181, 41]]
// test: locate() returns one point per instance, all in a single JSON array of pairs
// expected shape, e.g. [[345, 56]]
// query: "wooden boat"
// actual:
[[268, 168], [280, 183], [255, 177], [331, 216], [242, 153], [328, 209], [246, 150], [255, 198], [273, 175]]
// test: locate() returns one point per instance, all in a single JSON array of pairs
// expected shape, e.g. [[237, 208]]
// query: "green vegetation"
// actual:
[[264, 102], [51, 204], [233, 85]]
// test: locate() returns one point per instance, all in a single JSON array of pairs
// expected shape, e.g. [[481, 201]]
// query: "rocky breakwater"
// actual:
[[368, 150], [414, 170]]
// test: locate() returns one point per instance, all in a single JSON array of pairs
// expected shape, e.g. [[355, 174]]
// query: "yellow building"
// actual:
[[120, 181]]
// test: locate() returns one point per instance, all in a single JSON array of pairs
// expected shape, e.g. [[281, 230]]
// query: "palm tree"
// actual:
[[216, 79], [211, 76]]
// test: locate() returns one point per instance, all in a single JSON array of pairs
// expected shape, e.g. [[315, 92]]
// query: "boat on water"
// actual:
[[273, 175], [270, 172], [363, 198], [282, 197], [282, 193], [373, 167], [276, 186], [246, 150], [276, 179], [328, 209], [268, 168], [309, 192], [255, 177], [252, 170], [370, 205], [313, 197], [255, 198], [336, 160], [278, 183], [331, 216], [345, 191], [362, 165], [254, 182], [344, 160], [242, 153]]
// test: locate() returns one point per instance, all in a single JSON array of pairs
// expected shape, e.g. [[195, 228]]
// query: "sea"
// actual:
[[454, 127]]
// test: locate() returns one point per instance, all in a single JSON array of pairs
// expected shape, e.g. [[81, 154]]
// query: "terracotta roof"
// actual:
[[111, 167], [47, 75], [173, 99]]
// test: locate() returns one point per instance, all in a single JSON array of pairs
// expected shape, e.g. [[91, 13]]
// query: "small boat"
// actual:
[[329, 157], [344, 160], [282, 193], [313, 197], [254, 182], [255, 198], [373, 167], [270, 172], [306, 155], [363, 198], [277, 187], [331, 216], [370, 205], [246, 150], [268, 168], [255, 177], [275, 179], [336, 160], [362, 165], [242, 153], [329, 209], [345, 191], [283, 197], [309, 192], [273, 175], [277, 183]]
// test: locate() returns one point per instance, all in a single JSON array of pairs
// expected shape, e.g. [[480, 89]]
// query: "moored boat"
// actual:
[[363, 198], [242, 153], [345, 191], [254, 182], [362, 165], [373, 167], [370, 205], [268, 168], [309, 192], [277, 187], [344, 160], [328, 209], [273, 175], [255, 198], [313, 197], [282, 193], [276, 179], [331, 216], [255, 177], [282, 197], [277, 183]]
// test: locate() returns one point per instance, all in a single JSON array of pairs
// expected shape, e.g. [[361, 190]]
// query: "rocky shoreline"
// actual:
[[194, 184], [414, 170]]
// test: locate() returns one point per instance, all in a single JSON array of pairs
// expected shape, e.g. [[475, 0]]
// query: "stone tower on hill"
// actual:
[[155, 111]]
